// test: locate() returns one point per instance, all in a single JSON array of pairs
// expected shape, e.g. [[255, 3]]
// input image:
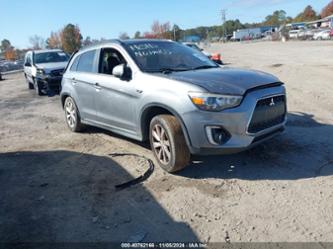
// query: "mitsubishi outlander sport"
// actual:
[[173, 96]]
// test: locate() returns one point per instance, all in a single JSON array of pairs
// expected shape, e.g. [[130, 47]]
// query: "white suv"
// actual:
[[43, 70]]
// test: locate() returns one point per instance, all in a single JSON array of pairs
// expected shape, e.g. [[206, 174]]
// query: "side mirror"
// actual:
[[118, 71], [123, 72], [27, 64], [218, 62]]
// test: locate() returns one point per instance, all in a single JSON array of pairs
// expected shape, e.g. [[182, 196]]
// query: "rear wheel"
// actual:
[[72, 115], [168, 143]]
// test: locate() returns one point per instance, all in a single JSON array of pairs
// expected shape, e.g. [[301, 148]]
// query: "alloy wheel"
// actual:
[[161, 144], [70, 113]]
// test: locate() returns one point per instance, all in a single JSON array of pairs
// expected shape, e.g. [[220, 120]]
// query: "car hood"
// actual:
[[224, 80], [52, 65]]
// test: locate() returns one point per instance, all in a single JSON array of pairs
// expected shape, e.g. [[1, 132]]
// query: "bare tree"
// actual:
[[37, 42], [161, 30], [54, 41], [327, 10]]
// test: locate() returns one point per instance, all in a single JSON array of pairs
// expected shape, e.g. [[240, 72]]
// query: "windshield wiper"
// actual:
[[167, 70], [203, 67]]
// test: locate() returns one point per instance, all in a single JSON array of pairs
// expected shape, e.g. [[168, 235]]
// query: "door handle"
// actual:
[[73, 81], [97, 86]]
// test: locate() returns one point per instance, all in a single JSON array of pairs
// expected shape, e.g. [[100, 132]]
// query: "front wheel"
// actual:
[[168, 143], [30, 85], [38, 87]]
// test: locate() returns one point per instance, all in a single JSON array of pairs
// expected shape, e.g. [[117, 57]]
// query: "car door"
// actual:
[[28, 66], [82, 76], [115, 98]]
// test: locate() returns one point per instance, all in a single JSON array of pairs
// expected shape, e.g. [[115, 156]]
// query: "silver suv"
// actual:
[[172, 95]]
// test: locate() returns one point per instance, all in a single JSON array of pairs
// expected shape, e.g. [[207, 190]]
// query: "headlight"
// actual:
[[40, 71], [214, 102]]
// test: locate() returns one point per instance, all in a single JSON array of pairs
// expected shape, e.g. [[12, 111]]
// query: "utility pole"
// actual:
[[223, 18]]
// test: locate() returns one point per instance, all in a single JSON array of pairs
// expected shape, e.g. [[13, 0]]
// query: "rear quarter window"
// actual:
[[75, 63], [86, 62]]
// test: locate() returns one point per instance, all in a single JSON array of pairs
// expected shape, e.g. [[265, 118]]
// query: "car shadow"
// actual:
[[305, 150], [65, 196], [96, 130]]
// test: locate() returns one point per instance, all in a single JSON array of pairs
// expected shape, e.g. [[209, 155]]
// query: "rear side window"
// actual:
[[86, 62]]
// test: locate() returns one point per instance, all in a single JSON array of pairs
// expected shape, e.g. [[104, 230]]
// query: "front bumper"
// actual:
[[235, 121], [50, 83]]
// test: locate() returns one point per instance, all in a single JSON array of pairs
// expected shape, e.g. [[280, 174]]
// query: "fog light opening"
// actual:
[[217, 135]]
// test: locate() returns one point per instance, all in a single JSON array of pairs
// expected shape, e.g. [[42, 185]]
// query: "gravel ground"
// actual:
[[59, 186]]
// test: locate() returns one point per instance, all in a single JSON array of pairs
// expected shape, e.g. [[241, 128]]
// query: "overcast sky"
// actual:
[[21, 19]]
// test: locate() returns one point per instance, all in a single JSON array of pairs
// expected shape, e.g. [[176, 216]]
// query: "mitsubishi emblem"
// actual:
[[272, 102]]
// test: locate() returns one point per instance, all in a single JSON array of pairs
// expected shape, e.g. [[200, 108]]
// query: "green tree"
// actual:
[[277, 18], [176, 32], [5, 45], [137, 35], [230, 26], [71, 38], [123, 36]]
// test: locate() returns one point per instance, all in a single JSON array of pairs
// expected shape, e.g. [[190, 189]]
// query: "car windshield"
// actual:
[[49, 57], [162, 56]]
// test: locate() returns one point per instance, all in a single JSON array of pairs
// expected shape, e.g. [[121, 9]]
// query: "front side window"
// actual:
[[109, 59], [157, 56], [86, 62], [28, 59], [49, 57]]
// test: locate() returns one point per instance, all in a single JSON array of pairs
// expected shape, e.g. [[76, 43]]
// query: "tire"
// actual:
[[168, 143], [30, 85], [37, 87], [72, 115]]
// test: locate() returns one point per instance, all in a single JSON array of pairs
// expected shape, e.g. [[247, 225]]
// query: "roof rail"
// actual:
[[118, 41]]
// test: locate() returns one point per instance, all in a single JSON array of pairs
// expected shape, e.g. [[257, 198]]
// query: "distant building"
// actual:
[[191, 38], [326, 22], [254, 33]]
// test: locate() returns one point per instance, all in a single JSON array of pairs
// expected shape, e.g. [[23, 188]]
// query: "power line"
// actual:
[[223, 18]]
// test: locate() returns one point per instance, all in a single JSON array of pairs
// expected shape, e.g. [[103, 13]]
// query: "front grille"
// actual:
[[57, 73], [269, 112]]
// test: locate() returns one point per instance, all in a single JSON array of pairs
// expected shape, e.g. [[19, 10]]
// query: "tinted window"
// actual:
[[155, 56], [74, 64], [109, 59], [49, 57], [28, 59], [86, 61]]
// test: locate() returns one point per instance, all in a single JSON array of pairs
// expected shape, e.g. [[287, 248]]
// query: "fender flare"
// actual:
[[172, 111]]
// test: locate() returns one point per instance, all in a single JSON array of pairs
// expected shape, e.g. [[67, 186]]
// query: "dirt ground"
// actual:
[[59, 186]]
